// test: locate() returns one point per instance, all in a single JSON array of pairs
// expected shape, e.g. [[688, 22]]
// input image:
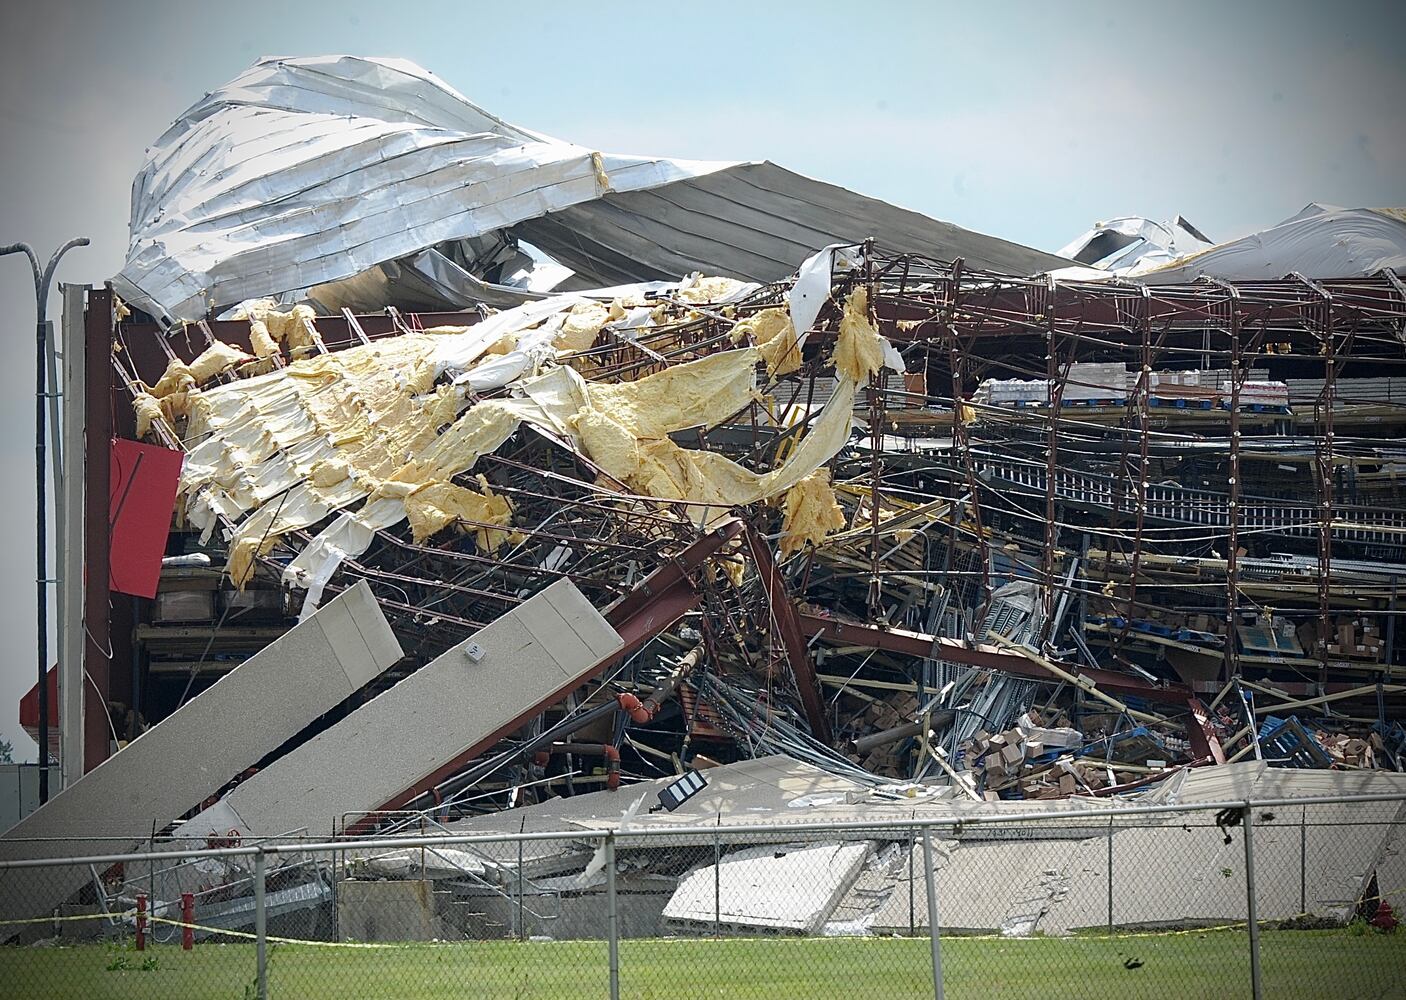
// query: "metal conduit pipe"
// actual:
[[864, 744]]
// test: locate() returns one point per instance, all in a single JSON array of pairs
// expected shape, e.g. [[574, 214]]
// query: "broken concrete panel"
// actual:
[[1164, 875], [789, 888], [387, 911], [242, 718], [547, 645]]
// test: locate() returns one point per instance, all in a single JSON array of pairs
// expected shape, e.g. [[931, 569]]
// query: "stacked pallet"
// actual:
[[1355, 638]]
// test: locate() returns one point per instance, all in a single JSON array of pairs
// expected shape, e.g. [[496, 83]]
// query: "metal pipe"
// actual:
[[187, 921], [717, 885]]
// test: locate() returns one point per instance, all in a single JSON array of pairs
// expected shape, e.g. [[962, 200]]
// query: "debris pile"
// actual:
[[908, 505]]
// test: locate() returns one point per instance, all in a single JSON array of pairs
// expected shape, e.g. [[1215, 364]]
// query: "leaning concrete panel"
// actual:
[[239, 720], [547, 645]]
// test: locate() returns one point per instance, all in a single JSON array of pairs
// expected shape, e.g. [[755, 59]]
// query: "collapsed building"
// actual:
[[645, 466]]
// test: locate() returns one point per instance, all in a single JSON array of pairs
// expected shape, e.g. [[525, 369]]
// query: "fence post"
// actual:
[[260, 927], [933, 934], [141, 921], [1110, 875], [612, 915], [1303, 861], [521, 923], [912, 916], [717, 885], [187, 921], [1251, 905]]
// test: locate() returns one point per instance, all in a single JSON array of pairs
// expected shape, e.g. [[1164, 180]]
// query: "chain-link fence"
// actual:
[[1272, 899]]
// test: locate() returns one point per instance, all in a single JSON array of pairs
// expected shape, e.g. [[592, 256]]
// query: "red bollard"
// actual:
[[187, 921], [141, 922]]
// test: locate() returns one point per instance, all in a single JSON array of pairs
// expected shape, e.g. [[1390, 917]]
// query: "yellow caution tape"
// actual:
[[1240, 925]]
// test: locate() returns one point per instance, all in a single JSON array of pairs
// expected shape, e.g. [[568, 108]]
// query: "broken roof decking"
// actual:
[[302, 172]]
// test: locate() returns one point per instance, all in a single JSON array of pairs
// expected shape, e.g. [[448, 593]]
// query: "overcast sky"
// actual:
[[1026, 121]]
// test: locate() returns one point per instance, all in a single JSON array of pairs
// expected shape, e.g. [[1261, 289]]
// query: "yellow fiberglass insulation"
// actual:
[[177, 404], [329, 431], [295, 327], [700, 393], [148, 410], [371, 403], [774, 335], [329, 472], [811, 513], [178, 384], [859, 350], [438, 505], [264, 344], [216, 359], [710, 289], [177, 376], [241, 558], [624, 429], [581, 326], [374, 406], [478, 431]]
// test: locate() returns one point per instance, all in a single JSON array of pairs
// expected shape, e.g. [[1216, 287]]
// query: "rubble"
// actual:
[[895, 521]]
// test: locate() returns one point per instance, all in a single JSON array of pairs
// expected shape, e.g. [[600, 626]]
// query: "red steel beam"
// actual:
[[787, 624], [918, 644], [658, 601], [98, 432], [1204, 741]]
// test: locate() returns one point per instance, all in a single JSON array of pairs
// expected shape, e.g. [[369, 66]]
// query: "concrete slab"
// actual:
[[229, 727], [387, 911], [546, 646], [1166, 873]]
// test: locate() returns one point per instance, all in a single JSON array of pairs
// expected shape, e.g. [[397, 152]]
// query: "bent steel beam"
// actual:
[[923, 646], [787, 624], [659, 600]]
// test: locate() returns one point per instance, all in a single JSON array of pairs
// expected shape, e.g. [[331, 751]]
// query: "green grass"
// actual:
[[1299, 964]]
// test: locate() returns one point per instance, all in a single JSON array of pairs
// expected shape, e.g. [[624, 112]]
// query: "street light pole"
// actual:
[[42, 279]]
